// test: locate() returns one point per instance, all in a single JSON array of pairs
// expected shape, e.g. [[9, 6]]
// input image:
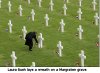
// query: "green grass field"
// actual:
[[47, 56]]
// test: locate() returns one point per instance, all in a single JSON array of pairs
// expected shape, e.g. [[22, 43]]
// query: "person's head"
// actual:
[[34, 32]]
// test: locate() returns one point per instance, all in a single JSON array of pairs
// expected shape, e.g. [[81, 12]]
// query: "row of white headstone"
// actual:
[[80, 30], [51, 7], [52, 4], [60, 47], [62, 24]]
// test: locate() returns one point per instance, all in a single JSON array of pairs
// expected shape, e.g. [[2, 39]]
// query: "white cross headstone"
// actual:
[[65, 8], [51, 5], [40, 41], [10, 26], [24, 31], [94, 4], [60, 47], [96, 17], [20, 10], [13, 58], [9, 6], [62, 24], [33, 14], [80, 3], [33, 64], [29, 1], [46, 19], [39, 2], [80, 30], [83, 57], [0, 3], [79, 13]]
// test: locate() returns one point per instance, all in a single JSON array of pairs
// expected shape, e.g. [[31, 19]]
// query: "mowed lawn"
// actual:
[[47, 56]]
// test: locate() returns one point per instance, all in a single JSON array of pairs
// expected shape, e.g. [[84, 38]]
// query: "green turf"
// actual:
[[47, 55]]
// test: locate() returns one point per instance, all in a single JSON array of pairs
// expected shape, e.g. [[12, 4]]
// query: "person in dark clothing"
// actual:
[[29, 39]]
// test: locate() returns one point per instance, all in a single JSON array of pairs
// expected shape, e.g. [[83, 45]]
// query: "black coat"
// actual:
[[29, 38]]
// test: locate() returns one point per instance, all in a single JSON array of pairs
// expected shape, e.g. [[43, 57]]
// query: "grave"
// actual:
[[10, 26], [80, 30], [39, 2], [33, 14], [79, 13], [20, 10], [60, 47], [96, 17], [40, 41], [80, 3], [62, 24], [13, 59], [51, 5], [83, 57], [94, 4], [24, 31], [46, 19], [65, 8], [9, 6]]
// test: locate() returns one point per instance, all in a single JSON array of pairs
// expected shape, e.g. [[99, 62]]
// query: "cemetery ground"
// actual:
[[47, 55]]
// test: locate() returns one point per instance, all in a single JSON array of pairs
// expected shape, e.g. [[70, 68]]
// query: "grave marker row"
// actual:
[[59, 46]]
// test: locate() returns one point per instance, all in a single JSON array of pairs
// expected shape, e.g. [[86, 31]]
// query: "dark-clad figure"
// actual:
[[29, 39]]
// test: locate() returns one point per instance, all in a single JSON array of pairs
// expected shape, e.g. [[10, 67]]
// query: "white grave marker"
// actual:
[[79, 13], [24, 31], [20, 10], [0, 3], [40, 41], [9, 6], [96, 17], [33, 64], [10, 26], [60, 47], [46, 19], [94, 4], [29, 1], [83, 57], [80, 30], [80, 3], [62, 24], [39, 2], [65, 8], [13, 58], [33, 14], [51, 5]]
